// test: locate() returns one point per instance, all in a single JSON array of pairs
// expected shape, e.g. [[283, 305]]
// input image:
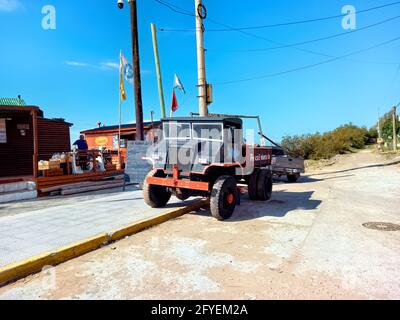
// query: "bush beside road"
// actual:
[[344, 139]]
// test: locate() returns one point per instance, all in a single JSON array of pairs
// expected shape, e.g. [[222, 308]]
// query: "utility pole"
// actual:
[[379, 126], [158, 69], [394, 129], [200, 13], [137, 86]]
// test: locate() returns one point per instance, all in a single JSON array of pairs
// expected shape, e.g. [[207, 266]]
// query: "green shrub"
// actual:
[[316, 146]]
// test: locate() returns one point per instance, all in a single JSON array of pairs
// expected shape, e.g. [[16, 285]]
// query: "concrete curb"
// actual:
[[15, 271]]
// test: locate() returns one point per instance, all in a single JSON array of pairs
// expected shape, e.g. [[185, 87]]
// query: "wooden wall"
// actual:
[[16, 156], [53, 137]]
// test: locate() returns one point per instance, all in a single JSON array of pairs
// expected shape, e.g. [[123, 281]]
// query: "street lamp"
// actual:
[[137, 86]]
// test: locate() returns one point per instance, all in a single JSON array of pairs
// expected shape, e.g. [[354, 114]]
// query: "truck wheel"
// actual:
[[155, 196], [252, 186], [292, 178], [182, 194], [223, 197], [264, 185]]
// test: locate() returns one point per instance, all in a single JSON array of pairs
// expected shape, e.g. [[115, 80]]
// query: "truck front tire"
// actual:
[[224, 196], [155, 196]]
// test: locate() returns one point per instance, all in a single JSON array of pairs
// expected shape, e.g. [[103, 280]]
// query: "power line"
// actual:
[[291, 47], [310, 65], [333, 58], [257, 36], [307, 21], [319, 39], [175, 8], [277, 24]]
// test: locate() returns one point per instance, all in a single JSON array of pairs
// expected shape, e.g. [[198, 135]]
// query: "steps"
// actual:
[[17, 191]]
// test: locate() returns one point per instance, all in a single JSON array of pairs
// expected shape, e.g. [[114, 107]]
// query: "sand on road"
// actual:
[[308, 242]]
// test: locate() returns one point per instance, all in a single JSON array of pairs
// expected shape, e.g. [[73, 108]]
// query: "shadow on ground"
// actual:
[[280, 205], [360, 168], [308, 179]]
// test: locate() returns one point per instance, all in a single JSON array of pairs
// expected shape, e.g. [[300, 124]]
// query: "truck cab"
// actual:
[[195, 143]]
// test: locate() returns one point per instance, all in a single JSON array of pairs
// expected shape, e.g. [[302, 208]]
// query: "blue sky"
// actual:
[[70, 72]]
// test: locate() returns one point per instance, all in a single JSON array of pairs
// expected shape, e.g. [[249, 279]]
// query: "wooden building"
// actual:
[[107, 136], [27, 137]]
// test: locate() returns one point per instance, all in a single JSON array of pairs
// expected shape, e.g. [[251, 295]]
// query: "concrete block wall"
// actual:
[[17, 191]]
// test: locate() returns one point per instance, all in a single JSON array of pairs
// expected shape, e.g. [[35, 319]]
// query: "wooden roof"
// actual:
[[124, 128]]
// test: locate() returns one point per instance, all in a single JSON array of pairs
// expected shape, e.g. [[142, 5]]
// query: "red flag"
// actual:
[[174, 105]]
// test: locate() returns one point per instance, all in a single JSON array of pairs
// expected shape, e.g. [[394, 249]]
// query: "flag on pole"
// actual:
[[178, 84], [174, 105], [122, 92], [126, 69]]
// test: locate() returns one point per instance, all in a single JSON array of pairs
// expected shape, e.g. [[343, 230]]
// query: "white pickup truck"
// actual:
[[284, 164]]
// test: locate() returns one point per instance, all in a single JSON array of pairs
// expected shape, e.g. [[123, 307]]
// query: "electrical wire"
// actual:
[[175, 8], [276, 24], [333, 58], [308, 66], [280, 44], [319, 39]]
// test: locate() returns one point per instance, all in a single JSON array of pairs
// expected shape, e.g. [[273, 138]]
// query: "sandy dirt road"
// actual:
[[308, 242]]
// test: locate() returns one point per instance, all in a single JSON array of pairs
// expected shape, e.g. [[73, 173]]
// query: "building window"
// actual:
[[3, 131], [115, 142]]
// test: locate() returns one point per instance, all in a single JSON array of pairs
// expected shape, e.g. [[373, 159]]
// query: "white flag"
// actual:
[[178, 84], [126, 68]]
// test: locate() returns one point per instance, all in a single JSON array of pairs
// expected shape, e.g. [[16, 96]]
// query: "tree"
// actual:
[[387, 128]]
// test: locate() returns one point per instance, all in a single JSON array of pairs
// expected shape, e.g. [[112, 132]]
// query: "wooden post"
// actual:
[[136, 70], [158, 70], [394, 129], [35, 143]]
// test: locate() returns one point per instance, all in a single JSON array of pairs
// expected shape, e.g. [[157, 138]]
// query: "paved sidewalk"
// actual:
[[37, 231]]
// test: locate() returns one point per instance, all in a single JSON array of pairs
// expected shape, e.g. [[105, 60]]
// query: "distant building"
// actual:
[[107, 136], [27, 137]]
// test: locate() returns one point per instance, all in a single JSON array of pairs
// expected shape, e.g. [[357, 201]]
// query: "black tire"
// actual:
[[252, 186], [182, 194], [292, 178], [264, 185], [224, 196], [155, 196]]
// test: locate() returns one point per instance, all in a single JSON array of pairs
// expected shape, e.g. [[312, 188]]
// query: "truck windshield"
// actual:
[[208, 131], [176, 130]]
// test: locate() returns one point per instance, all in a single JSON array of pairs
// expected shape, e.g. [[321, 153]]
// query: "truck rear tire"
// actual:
[[155, 196], [264, 185], [252, 186], [224, 196]]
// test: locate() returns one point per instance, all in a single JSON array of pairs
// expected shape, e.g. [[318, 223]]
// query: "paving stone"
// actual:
[[43, 229]]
